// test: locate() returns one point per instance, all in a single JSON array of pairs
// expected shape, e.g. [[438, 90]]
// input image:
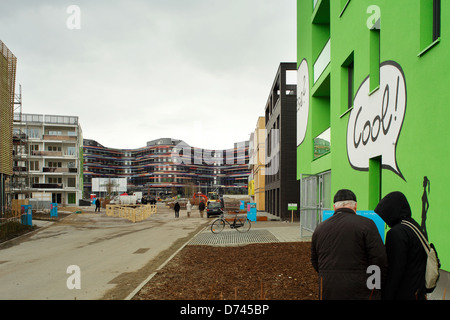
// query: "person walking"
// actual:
[[176, 207], [405, 279], [342, 249], [188, 208], [97, 204], [201, 208]]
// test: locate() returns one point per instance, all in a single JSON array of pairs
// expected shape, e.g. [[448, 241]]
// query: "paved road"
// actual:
[[113, 255]]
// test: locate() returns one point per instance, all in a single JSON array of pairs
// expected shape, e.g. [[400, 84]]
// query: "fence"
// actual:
[[134, 213], [309, 220]]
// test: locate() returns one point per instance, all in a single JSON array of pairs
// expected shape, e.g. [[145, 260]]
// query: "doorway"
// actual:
[[56, 198]]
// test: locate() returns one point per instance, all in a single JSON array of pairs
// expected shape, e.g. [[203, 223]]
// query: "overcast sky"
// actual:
[[139, 70]]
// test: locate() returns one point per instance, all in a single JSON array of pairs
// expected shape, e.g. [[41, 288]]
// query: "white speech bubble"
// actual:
[[376, 120], [302, 100]]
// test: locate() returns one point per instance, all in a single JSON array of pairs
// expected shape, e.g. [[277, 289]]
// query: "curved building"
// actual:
[[168, 166]]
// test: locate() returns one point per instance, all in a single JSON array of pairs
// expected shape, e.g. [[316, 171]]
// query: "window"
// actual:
[[52, 164], [34, 166], [322, 144], [55, 133], [430, 24], [54, 148], [71, 151], [32, 133], [71, 198], [436, 19], [54, 180], [348, 83], [375, 166], [344, 5], [34, 147], [374, 58], [71, 182]]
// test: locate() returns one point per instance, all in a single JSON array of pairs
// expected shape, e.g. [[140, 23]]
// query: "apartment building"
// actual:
[[256, 187], [373, 108], [47, 158], [7, 90], [281, 186], [168, 166]]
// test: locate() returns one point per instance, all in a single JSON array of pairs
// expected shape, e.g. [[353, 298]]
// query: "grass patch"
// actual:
[[12, 229]]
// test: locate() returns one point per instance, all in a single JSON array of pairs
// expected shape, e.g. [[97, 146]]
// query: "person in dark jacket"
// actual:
[[342, 249], [176, 207], [201, 208], [405, 278], [97, 204]]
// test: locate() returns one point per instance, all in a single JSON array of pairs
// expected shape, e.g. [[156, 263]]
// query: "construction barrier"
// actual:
[[17, 207], [133, 213]]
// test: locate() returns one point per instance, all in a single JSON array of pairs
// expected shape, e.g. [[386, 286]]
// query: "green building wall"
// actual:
[[416, 72]]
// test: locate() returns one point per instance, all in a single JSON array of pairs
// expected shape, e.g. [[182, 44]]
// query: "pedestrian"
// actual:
[[201, 208], [342, 249], [405, 279], [176, 207], [97, 204], [188, 208]]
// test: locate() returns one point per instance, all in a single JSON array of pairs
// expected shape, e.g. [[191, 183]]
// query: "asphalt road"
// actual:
[[91, 256]]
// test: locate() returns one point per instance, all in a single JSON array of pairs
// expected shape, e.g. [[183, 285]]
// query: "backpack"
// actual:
[[433, 263]]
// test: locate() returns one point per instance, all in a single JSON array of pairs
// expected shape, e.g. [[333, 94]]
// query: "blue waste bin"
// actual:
[[251, 212], [27, 215], [53, 210]]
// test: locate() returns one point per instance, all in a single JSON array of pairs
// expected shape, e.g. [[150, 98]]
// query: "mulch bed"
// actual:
[[268, 271]]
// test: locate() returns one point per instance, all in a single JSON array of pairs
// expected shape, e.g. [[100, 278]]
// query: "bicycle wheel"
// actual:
[[243, 224], [217, 226]]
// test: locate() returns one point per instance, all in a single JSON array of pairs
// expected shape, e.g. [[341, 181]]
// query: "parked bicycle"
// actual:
[[241, 224]]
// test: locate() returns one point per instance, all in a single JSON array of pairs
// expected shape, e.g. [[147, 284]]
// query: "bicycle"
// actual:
[[241, 224]]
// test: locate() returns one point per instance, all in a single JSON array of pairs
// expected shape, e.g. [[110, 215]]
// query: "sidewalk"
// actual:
[[260, 232]]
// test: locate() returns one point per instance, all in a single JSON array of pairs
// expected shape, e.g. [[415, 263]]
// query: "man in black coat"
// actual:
[[176, 207], [201, 208], [343, 248], [406, 257]]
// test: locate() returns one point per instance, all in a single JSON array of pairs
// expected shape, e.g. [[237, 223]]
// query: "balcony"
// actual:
[[59, 170], [47, 153], [47, 186], [323, 60], [48, 137]]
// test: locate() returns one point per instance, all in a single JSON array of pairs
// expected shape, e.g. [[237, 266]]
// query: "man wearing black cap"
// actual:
[[342, 249]]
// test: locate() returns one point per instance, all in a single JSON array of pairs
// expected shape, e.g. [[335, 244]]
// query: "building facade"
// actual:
[[281, 185], [257, 179], [372, 107], [47, 153], [168, 166]]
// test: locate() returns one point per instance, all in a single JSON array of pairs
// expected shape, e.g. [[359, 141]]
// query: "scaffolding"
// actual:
[[20, 180]]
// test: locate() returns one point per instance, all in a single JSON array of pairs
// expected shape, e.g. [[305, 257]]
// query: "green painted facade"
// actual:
[[382, 90]]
